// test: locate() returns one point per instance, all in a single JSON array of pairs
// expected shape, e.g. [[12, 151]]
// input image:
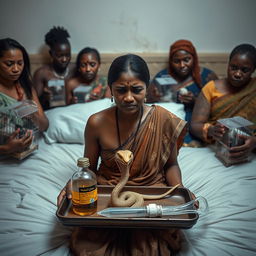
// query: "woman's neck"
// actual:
[[87, 82]]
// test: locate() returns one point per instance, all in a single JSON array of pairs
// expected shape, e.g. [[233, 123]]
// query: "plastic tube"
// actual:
[[154, 210]]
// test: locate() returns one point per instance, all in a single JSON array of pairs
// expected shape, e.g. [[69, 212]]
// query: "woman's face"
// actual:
[[129, 93], [11, 65], [182, 63], [240, 69], [89, 66], [61, 56]]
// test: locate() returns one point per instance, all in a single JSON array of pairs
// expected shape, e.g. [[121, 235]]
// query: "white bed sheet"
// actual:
[[28, 225]]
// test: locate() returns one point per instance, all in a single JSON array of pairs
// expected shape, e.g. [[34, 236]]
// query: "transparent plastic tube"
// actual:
[[154, 210]]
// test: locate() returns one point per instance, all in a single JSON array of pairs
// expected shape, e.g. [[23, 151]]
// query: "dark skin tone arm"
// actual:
[[92, 151], [40, 117], [200, 116]]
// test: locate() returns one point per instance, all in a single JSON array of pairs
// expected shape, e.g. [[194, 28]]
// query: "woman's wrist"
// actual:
[[206, 132]]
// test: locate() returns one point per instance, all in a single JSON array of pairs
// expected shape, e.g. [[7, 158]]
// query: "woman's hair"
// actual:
[[86, 50], [7, 44], [245, 49], [126, 63], [187, 46], [57, 35]]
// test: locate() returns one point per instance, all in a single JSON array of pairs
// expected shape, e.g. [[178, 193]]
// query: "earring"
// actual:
[[112, 100], [145, 100]]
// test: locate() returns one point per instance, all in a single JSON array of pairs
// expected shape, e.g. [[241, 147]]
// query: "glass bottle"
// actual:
[[84, 189]]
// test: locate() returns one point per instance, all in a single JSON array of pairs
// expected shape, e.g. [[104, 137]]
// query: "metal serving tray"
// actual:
[[177, 197]]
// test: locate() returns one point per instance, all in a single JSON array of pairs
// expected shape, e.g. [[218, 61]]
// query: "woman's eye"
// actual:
[[136, 90], [121, 90], [233, 67], [93, 64], [8, 63], [246, 70], [20, 63], [187, 59]]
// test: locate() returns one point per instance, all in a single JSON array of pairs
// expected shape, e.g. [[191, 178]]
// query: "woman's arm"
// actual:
[[70, 85], [41, 118], [91, 150], [172, 170], [199, 126], [38, 81], [91, 137]]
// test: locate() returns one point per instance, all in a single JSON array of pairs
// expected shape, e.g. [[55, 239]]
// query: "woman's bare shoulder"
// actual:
[[102, 118]]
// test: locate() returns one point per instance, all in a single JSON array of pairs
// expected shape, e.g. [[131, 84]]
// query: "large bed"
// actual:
[[29, 188]]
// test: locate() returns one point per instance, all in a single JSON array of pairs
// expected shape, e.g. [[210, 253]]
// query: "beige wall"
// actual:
[[155, 61]]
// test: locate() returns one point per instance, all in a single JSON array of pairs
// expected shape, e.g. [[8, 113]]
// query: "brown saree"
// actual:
[[158, 135]]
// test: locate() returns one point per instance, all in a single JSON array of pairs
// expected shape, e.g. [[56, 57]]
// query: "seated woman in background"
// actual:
[[229, 97], [16, 85], [86, 85], [154, 135], [49, 80], [184, 71]]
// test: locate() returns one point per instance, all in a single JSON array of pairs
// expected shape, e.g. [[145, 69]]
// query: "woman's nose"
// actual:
[[182, 64], [129, 97], [64, 59], [15, 68], [238, 73]]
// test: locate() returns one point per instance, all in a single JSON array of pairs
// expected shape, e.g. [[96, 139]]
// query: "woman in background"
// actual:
[[229, 97], [16, 85], [49, 80], [154, 135], [187, 79], [87, 85]]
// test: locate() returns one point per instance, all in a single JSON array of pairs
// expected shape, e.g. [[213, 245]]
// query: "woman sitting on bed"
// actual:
[[229, 97], [16, 85], [86, 85], [49, 80], [154, 135], [186, 79]]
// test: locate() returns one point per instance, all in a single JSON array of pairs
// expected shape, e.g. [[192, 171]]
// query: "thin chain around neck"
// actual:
[[62, 77], [136, 132]]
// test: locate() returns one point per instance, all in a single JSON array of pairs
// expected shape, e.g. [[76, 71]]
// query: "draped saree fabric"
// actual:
[[239, 104], [160, 135]]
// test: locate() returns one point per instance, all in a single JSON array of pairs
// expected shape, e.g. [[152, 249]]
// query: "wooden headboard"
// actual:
[[156, 61]]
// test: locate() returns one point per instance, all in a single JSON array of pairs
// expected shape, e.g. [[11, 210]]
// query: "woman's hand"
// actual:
[[216, 131], [245, 149], [187, 98], [47, 94], [16, 144], [74, 100], [65, 192]]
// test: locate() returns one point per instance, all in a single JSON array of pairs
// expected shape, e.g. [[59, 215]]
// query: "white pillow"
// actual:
[[176, 108], [66, 124]]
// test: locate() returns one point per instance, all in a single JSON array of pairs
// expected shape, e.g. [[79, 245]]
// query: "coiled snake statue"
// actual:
[[124, 159]]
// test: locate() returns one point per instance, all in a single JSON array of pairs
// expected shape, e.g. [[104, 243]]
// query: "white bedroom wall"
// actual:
[[132, 25]]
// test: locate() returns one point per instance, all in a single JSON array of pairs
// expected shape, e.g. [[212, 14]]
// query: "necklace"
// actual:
[[135, 134], [61, 76]]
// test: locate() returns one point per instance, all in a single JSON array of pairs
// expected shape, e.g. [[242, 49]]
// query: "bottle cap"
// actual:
[[83, 162]]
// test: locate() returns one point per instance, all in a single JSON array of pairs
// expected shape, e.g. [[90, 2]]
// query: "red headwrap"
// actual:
[[187, 46]]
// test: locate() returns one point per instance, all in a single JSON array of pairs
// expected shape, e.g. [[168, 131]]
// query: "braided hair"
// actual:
[[57, 35]]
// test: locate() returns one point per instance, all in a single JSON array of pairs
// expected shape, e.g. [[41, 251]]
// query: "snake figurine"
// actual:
[[124, 159]]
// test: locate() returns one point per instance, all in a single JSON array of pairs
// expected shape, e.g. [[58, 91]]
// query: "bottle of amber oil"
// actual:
[[84, 189]]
